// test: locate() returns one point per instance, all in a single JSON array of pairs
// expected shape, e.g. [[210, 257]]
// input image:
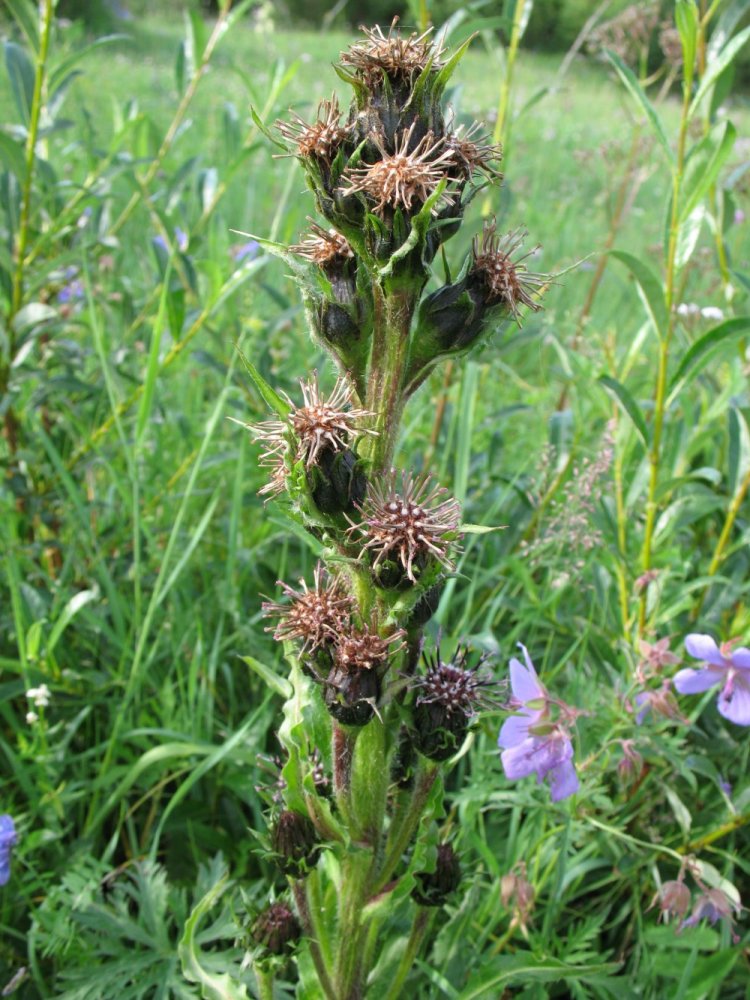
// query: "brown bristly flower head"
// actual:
[[314, 615], [317, 425], [472, 152], [325, 247], [455, 685], [392, 54], [408, 520], [364, 649], [508, 281], [330, 423], [322, 138], [401, 178]]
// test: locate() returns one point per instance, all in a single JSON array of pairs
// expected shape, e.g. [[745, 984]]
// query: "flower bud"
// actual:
[[426, 606], [434, 888], [350, 695], [276, 929], [295, 843], [402, 763], [674, 899], [337, 482]]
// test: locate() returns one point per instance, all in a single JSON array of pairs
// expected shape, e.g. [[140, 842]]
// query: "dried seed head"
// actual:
[[473, 153], [508, 281], [391, 54], [364, 649], [322, 138], [403, 178], [316, 616], [321, 424], [325, 247], [408, 521]]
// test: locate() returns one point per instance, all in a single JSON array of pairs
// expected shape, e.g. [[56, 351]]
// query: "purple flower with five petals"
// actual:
[[721, 665], [532, 742]]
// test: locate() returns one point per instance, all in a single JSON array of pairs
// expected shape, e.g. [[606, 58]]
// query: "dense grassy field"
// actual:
[[136, 551]]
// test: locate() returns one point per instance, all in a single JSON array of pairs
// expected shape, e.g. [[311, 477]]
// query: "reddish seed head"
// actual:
[[403, 178], [364, 649], [391, 54], [454, 685], [325, 247], [407, 518], [508, 281], [473, 153], [316, 616], [322, 138]]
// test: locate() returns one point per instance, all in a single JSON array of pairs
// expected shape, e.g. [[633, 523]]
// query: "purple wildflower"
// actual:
[[721, 665], [532, 741], [8, 839], [714, 905], [245, 251]]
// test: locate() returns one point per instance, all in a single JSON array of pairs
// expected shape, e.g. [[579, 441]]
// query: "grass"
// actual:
[[135, 559]]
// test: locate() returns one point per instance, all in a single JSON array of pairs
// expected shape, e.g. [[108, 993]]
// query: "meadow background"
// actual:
[[136, 550]]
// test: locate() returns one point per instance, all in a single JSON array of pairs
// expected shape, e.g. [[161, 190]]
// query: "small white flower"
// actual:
[[31, 718], [712, 312], [40, 696]]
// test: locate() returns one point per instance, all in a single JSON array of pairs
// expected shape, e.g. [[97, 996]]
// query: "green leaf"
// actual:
[[718, 65], [71, 609], [195, 36], [703, 165], [624, 399], [12, 154], [61, 70], [526, 968], [636, 92], [21, 74], [272, 399], [686, 19], [25, 16], [269, 676], [739, 449], [688, 235], [213, 986], [698, 355], [731, 16], [649, 287]]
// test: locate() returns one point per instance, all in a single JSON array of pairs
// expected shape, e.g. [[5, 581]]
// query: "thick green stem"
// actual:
[[422, 921], [344, 741], [405, 825], [349, 975], [311, 927], [264, 979], [393, 314]]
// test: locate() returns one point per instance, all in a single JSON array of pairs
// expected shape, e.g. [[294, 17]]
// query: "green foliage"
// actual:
[[135, 550]]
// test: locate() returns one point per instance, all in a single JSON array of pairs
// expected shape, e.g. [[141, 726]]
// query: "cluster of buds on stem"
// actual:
[[391, 177]]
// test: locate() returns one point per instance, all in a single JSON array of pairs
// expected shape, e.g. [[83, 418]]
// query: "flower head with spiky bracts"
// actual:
[[314, 615], [325, 247], [472, 152], [404, 177], [392, 54], [507, 280], [319, 424], [365, 649], [455, 685], [321, 139], [408, 521]]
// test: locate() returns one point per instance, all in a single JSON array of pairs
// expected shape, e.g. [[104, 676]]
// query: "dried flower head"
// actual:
[[473, 153], [318, 424], [322, 138], [401, 178], [673, 900], [364, 649], [392, 54], [410, 521], [508, 281], [316, 616], [325, 247], [276, 929]]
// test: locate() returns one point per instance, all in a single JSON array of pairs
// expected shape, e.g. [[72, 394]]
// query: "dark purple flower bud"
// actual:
[[276, 929], [434, 888], [295, 842], [8, 840]]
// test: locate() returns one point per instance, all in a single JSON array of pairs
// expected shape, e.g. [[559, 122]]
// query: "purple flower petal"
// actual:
[[703, 647], [741, 658], [689, 681], [563, 781], [518, 762], [734, 701], [524, 681], [643, 701], [514, 730]]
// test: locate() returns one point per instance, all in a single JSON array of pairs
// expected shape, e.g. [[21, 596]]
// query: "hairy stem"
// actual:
[[404, 826], [309, 925], [422, 922]]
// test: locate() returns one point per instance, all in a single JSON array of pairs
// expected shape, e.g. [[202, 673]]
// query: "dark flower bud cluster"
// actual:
[[435, 888], [295, 843], [276, 929]]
